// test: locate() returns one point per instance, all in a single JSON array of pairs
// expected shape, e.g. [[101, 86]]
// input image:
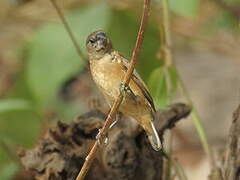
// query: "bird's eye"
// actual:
[[92, 41]]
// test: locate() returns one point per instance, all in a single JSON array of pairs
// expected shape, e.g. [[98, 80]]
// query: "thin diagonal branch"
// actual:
[[117, 103], [68, 29]]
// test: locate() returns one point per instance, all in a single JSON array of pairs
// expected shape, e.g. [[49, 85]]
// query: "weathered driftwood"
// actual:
[[128, 155], [231, 168]]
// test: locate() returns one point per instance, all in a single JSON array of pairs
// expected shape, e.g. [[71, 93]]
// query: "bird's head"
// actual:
[[98, 44]]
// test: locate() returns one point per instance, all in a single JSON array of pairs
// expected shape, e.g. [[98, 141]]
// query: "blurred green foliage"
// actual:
[[14, 104], [163, 85], [8, 166], [8, 170], [224, 20], [52, 56], [186, 8], [52, 59]]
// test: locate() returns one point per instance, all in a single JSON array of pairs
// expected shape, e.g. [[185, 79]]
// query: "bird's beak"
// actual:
[[101, 44]]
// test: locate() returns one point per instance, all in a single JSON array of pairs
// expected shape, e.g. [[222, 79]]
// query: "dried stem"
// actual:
[[198, 125], [166, 36], [68, 29], [167, 56], [117, 103]]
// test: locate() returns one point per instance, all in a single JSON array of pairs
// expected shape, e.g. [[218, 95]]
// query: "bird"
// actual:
[[108, 69]]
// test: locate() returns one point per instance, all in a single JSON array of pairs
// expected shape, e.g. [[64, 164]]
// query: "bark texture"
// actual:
[[231, 166], [128, 155]]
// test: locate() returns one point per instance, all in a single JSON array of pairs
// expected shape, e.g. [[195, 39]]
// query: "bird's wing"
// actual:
[[137, 80]]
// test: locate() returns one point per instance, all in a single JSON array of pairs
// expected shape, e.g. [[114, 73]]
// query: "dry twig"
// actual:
[[68, 29], [117, 103]]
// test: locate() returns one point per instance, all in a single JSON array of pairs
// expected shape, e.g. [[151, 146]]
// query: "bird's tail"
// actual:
[[154, 138], [146, 122]]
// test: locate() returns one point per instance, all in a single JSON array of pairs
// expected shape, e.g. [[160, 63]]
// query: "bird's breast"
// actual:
[[107, 75]]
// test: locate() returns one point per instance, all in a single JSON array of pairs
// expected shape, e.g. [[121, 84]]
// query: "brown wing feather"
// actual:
[[144, 90], [137, 80]]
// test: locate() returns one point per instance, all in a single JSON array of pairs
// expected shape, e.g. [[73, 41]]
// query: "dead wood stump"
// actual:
[[128, 155]]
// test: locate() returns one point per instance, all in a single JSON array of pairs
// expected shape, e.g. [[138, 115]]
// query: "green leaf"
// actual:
[[186, 8], [173, 80], [13, 105], [162, 85], [158, 87], [52, 56]]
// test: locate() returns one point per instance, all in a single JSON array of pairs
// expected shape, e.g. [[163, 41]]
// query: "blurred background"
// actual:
[[43, 80]]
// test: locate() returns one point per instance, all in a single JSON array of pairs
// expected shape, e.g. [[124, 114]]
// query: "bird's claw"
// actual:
[[124, 88], [101, 140], [114, 122]]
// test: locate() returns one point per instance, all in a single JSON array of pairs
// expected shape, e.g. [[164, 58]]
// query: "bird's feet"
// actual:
[[102, 140], [124, 89], [114, 122]]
